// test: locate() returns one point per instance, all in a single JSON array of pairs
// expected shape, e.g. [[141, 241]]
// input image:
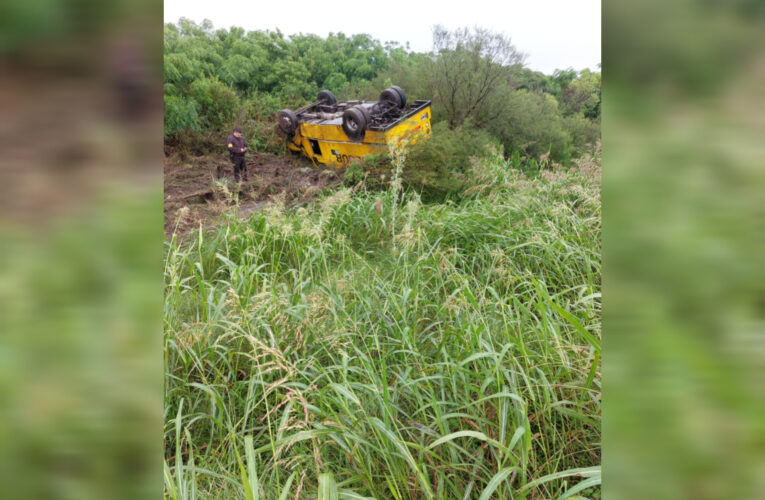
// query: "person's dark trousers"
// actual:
[[240, 168]]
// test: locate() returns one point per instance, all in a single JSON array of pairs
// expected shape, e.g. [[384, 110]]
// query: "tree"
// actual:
[[533, 126], [582, 95], [474, 77], [471, 72]]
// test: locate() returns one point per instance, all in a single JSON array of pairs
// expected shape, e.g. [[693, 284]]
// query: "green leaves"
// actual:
[[404, 451], [498, 478], [218, 103], [253, 492], [526, 111], [463, 364], [181, 114], [327, 487], [474, 434], [591, 475], [573, 321]]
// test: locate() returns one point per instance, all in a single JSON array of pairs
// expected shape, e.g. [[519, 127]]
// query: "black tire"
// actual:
[[391, 95], [355, 122], [327, 98], [366, 113], [287, 121], [401, 93]]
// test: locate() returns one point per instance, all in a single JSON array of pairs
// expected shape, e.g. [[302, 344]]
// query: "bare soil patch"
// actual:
[[199, 189]]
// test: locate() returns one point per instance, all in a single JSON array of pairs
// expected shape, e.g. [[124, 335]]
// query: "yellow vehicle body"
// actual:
[[326, 143]]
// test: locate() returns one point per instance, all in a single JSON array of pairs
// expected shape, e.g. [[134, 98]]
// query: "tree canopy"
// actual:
[[216, 77]]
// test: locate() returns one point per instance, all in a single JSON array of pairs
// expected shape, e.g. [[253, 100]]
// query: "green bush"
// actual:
[[180, 114], [438, 166], [583, 131], [534, 127], [179, 69], [263, 107], [219, 103], [257, 118], [353, 174]]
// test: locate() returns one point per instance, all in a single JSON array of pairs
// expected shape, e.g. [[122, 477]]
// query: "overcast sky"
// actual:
[[555, 34]]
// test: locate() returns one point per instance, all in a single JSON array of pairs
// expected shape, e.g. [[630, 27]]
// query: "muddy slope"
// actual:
[[199, 189]]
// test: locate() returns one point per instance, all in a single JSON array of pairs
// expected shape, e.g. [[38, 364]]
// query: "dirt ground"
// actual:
[[199, 189]]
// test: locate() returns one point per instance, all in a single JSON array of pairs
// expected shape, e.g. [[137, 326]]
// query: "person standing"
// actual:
[[236, 148]]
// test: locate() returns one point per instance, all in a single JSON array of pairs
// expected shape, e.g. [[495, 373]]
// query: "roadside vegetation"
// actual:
[[216, 78], [426, 326], [372, 346]]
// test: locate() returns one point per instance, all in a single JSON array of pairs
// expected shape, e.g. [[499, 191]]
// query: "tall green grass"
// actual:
[[327, 352]]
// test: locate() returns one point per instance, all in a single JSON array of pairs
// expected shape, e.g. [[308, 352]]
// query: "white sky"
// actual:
[[555, 34]]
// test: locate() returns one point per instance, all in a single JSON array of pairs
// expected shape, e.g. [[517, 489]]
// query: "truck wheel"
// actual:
[[365, 112], [391, 95], [401, 93], [355, 123], [326, 97], [287, 122]]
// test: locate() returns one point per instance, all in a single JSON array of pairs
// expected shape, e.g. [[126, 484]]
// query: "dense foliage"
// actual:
[[370, 346], [380, 342], [215, 78]]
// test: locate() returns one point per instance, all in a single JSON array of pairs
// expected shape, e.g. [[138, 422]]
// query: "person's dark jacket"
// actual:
[[236, 145]]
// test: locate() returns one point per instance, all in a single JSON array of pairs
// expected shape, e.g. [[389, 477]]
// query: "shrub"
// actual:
[[263, 107], [336, 81], [257, 118], [438, 165], [179, 69], [218, 102], [353, 174], [180, 114], [534, 127], [583, 131]]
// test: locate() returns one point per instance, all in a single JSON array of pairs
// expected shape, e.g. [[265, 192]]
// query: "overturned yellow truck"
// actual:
[[334, 134]]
